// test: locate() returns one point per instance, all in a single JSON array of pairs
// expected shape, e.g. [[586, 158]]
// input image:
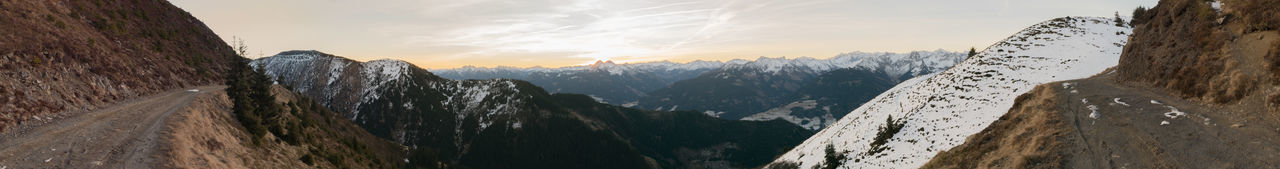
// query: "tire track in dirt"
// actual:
[[1139, 128], [126, 135]]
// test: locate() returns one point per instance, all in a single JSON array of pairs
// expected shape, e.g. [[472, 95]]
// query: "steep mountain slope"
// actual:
[[513, 124], [609, 82], [205, 134], [71, 56], [933, 113], [745, 88], [1195, 88]]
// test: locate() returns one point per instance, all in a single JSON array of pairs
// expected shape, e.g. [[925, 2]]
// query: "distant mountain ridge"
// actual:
[[505, 123], [744, 89], [699, 85], [605, 80]]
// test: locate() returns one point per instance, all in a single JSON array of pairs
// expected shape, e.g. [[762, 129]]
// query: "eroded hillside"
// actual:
[[71, 56]]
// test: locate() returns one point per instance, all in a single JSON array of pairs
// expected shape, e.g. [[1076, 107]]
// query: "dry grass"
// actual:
[[1161, 55], [1029, 136], [1184, 49], [206, 135], [1274, 58], [1258, 15]]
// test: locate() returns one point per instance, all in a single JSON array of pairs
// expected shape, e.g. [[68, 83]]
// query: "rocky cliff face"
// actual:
[[67, 56]]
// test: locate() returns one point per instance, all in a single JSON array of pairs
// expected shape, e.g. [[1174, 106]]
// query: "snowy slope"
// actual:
[[893, 65], [941, 110]]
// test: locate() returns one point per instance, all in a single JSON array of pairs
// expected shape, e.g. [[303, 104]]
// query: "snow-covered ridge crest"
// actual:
[[299, 62], [941, 110]]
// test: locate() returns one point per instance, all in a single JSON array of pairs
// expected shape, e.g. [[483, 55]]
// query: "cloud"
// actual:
[[453, 33], [588, 28]]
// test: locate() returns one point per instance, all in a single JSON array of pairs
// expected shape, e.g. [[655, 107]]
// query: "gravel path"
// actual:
[[126, 135]]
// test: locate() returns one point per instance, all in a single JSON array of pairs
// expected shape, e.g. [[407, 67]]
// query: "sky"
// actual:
[[553, 33]]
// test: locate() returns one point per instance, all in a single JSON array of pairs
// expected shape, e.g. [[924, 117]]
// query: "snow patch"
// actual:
[[784, 113], [1174, 113], [1117, 101], [713, 113], [1217, 5], [598, 99], [1094, 114], [1164, 122]]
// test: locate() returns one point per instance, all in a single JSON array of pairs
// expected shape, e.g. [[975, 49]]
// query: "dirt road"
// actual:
[[126, 135], [1123, 127]]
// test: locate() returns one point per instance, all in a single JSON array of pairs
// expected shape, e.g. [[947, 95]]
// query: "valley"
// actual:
[[755, 90], [639, 85], [473, 122]]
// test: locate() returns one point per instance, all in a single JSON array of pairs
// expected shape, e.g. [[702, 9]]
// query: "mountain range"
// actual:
[[143, 84], [805, 91], [505, 123]]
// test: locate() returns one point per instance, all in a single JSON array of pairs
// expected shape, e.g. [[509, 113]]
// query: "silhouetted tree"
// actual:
[[1138, 15], [250, 92], [1119, 21], [891, 127], [972, 52]]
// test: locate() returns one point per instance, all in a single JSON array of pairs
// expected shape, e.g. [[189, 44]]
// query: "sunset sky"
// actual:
[[554, 33]]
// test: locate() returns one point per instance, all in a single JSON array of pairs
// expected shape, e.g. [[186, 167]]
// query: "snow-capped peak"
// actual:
[[896, 64]]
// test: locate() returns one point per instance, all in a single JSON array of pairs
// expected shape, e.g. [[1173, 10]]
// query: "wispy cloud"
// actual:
[[594, 29], [453, 33]]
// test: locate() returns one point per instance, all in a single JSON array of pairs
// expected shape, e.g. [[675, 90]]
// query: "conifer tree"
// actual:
[[1137, 16], [833, 159], [1119, 21]]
